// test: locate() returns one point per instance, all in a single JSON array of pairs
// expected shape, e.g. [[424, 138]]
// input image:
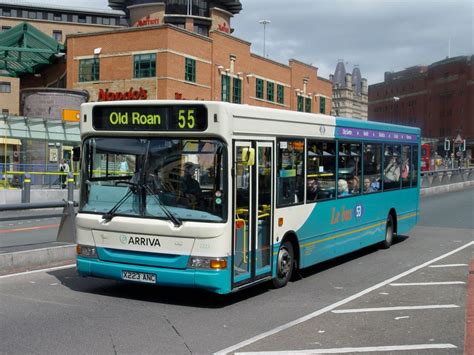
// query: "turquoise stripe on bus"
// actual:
[[213, 280]]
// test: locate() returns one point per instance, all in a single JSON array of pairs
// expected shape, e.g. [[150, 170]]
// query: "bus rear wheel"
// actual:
[[388, 233], [285, 265]]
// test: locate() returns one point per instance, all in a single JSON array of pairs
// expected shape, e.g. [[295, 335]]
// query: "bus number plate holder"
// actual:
[[139, 276]]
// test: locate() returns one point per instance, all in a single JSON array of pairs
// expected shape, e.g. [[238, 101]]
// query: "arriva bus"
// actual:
[[221, 196]]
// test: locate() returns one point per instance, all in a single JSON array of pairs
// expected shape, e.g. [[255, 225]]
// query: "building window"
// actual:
[[322, 104], [106, 21], [6, 12], [190, 70], [280, 94], [270, 91], [32, 15], [6, 28], [57, 16], [81, 19], [300, 103], [89, 69], [144, 65], [259, 88], [237, 91], [58, 35], [307, 104], [225, 88], [5, 87]]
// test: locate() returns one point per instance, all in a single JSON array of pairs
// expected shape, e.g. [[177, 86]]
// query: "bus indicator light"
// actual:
[[280, 222], [219, 264]]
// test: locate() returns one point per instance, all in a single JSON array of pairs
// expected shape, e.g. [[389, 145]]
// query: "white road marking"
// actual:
[[337, 304], [403, 308], [428, 283], [447, 265], [404, 317], [41, 270], [354, 350]]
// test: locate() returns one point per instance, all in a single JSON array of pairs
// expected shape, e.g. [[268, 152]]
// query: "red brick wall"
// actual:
[[173, 46]]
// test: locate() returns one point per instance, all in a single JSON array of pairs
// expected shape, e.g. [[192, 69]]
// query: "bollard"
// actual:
[[70, 187], [26, 192]]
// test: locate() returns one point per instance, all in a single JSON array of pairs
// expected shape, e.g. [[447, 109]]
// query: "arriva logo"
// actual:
[[141, 241]]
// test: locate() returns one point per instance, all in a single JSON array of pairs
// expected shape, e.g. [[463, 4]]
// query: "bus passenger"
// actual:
[[368, 186], [355, 186], [190, 188], [313, 190], [342, 188]]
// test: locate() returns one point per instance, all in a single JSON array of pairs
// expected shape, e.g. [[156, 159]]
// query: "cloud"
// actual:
[[378, 35]]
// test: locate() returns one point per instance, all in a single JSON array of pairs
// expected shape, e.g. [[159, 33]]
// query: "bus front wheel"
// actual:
[[285, 265], [388, 233]]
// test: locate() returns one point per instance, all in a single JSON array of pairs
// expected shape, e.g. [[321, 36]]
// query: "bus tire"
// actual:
[[285, 265], [388, 232]]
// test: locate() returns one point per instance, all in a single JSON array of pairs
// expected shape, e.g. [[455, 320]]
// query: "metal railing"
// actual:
[[446, 177]]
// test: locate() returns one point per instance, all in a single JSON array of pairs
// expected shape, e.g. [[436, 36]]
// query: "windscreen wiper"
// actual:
[[107, 217], [176, 221]]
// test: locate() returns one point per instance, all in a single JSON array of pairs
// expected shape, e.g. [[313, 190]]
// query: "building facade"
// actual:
[[169, 62], [438, 98], [349, 93], [57, 22]]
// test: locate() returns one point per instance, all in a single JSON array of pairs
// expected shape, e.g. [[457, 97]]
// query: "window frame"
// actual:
[[280, 94], [300, 103], [190, 70], [307, 104], [5, 87], [322, 104], [139, 60], [259, 85], [225, 88], [270, 91], [95, 71], [237, 90]]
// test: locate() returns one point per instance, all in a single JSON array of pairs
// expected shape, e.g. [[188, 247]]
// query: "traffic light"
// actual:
[[447, 144]]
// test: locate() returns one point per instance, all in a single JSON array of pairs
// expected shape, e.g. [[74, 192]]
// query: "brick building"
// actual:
[[438, 98], [168, 62]]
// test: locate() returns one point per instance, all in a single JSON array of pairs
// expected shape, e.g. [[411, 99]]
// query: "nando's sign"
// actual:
[[131, 94]]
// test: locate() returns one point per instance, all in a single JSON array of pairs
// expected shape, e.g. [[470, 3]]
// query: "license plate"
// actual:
[[139, 276]]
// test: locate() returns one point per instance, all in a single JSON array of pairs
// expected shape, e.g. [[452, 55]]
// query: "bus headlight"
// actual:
[[200, 262], [86, 250]]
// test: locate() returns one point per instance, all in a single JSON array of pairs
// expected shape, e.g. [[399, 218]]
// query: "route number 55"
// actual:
[[186, 120]]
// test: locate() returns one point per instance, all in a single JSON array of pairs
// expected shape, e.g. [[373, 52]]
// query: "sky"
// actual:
[[376, 35]]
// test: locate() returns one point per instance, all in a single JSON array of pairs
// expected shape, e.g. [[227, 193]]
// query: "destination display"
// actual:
[[376, 135], [150, 118]]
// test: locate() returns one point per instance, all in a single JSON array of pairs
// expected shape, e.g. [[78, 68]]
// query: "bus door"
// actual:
[[253, 212]]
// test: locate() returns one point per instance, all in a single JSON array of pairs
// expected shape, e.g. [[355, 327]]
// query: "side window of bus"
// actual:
[[290, 172], [414, 170], [406, 165], [392, 169], [321, 170], [349, 169], [372, 168]]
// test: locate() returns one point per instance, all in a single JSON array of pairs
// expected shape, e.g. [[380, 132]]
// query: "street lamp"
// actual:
[[264, 23]]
